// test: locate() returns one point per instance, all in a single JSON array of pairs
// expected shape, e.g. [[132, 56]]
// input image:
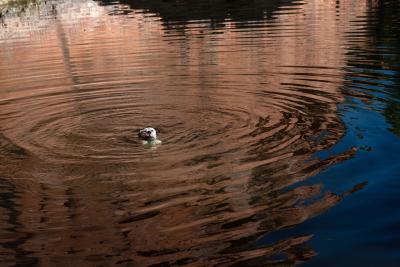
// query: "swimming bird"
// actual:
[[149, 136]]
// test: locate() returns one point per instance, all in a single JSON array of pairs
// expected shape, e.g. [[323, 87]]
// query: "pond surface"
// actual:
[[280, 123]]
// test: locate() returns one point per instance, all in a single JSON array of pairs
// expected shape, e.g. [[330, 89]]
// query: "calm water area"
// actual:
[[279, 121]]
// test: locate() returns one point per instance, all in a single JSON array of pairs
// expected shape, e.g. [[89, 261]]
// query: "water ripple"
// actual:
[[244, 95]]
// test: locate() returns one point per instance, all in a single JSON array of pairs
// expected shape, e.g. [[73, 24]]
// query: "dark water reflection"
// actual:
[[259, 104]]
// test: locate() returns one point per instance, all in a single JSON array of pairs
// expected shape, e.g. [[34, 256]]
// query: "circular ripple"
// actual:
[[240, 110]]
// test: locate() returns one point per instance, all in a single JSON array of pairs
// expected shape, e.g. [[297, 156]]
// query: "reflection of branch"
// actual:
[[66, 53], [323, 164], [253, 255], [9, 148]]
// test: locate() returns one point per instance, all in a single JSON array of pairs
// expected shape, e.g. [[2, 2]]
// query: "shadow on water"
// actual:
[[388, 37], [13, 236], [243, 113], [373, 69], [370, 114], [172, 11]]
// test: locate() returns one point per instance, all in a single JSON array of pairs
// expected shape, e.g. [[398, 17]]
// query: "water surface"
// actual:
[[279, 122]]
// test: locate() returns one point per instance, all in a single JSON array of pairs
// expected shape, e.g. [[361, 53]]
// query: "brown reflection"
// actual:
[[242, 113]]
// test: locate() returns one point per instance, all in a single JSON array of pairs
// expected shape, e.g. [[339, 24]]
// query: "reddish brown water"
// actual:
[[244, 94]]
